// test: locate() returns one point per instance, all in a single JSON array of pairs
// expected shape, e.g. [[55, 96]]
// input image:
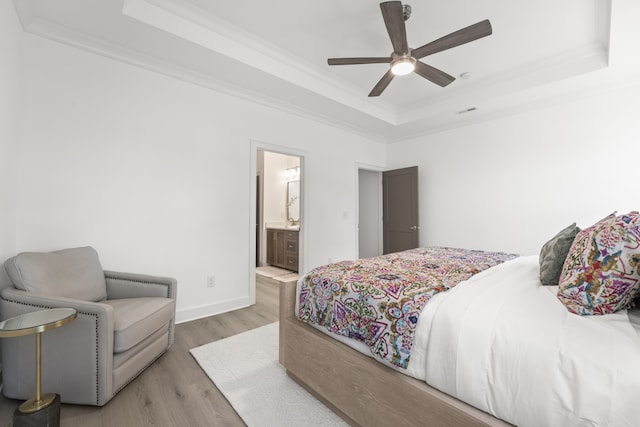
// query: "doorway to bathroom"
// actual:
[[278, 214]]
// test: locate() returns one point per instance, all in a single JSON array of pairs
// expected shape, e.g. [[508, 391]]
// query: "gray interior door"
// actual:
[[400, 209]]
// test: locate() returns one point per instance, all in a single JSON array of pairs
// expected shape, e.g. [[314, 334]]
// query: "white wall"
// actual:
[[370, 241], [10, 54], [511, 184], [155, 173]]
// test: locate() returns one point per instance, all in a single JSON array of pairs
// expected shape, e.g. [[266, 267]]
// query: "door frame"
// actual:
[[256, 145], [370, 168]]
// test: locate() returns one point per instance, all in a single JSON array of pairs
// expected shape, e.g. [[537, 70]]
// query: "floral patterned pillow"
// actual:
[[600, 274]]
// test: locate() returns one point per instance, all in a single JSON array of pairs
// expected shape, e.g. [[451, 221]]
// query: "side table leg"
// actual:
[[38, 366], [38, 402]]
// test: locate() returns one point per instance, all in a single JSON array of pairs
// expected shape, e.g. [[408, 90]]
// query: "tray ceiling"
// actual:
[[275, 52]]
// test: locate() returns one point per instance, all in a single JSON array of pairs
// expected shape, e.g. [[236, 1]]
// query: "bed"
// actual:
[[497, 348]]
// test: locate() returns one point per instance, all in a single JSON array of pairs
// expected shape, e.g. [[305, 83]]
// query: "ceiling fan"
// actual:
[[403, 60]]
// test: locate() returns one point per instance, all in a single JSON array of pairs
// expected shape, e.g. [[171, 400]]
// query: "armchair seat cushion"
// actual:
[[135, 319], [70, 273]]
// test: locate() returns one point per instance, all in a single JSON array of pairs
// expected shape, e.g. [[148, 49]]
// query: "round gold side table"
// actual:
[[36, 323]]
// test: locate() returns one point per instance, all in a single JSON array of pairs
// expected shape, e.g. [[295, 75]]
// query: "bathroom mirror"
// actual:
[[293, 202]]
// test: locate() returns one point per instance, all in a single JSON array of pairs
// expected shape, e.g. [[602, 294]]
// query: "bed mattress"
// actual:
[[505, 344]]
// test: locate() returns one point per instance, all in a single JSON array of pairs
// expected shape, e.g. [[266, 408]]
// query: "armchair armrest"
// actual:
[[15, 302], [85, 346], [131, 285]]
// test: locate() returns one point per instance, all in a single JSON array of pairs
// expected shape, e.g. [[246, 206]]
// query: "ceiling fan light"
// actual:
[[403, 66]]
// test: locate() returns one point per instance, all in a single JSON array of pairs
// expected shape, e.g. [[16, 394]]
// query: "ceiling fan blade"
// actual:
[[382, 84], [393, 15], [433, 74], [457, 38], [351, 61]]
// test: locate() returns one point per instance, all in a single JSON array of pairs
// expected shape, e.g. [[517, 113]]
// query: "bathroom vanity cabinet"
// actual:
[[282, 248]]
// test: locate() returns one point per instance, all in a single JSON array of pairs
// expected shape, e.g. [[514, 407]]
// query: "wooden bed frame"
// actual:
[[359, 389]]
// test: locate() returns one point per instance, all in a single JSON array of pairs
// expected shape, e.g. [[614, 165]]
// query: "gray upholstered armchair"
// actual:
[[124, 323]]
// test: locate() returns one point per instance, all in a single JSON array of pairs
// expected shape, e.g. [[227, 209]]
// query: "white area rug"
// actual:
[[245, 369]]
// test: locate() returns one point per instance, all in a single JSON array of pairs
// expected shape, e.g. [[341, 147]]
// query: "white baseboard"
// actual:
[[207, 310]]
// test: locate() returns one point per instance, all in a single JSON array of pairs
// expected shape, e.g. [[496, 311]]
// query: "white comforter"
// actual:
[[505, 344]]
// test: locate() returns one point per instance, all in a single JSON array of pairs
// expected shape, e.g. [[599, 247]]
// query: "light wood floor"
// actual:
[[174, 391]]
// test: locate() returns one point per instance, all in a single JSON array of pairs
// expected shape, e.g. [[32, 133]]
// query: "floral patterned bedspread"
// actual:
[[378, 300]]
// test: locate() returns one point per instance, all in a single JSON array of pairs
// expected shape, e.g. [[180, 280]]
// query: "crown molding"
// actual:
[[573, 63], [581, 88], [419, 121], [199, 26], [66, 36], [189, 22]]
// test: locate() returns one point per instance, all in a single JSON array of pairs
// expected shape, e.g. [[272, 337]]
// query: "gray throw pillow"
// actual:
[[553, 254], [70, 273]]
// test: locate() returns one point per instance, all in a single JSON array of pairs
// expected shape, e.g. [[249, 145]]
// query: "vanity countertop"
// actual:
[[284, 227]]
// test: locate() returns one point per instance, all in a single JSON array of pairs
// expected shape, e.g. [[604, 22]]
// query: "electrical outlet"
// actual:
[[211, 281]]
